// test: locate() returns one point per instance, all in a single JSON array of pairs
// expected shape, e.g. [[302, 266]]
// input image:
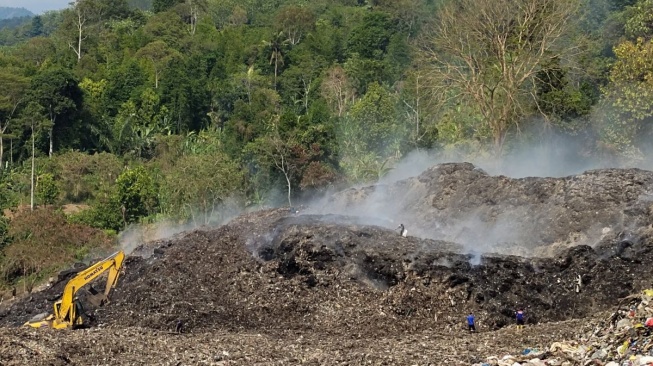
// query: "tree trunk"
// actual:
[[80, 27], [2, 151], [79, 41], [288, 182], [51, 145], [276, 66], [31, 194]]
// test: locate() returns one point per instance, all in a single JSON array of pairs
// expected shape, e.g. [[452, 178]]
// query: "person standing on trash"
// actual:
[[471, 322], [519, 315], [402, 230]]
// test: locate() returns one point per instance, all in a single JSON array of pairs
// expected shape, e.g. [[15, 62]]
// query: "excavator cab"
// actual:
[[68, 311], [44, 319]]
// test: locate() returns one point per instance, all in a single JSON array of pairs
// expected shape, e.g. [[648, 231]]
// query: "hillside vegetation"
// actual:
[[188, 107], [8, 13]]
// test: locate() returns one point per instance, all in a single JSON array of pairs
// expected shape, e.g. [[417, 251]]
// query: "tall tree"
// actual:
[[80, 16], [338, 90], [13, 90], [87, 18], [34, 119], [159, 55], [277, 47], [630, 95], [295, 22], [36, 28], [371, 37], [193, 10], [57, 91], [489, 53], [282, 153]]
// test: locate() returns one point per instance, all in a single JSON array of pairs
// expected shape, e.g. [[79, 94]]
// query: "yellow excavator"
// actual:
[[67, 311]]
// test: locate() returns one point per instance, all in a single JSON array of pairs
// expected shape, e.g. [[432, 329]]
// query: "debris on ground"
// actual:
[[621, 339]]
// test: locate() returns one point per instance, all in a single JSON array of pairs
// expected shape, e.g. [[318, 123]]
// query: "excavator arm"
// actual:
[[66, 309]]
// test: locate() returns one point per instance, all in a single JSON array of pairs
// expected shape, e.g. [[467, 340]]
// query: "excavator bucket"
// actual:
[[40, 320], [96, 298]]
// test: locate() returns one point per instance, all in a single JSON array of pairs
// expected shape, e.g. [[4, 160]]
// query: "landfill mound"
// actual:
[[326, 273], [289, 274], [528, 216]]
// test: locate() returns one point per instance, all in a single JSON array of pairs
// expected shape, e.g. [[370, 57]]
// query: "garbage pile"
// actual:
[[624, 338]]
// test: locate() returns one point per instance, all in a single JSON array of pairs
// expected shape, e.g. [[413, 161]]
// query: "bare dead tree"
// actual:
[[194, 9], [488, 52], [80, 17], [338, 90]]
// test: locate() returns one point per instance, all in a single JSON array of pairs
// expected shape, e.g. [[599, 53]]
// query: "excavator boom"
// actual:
[[66, 309]]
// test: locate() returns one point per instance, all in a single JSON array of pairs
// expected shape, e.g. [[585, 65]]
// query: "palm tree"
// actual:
[[277, 44]]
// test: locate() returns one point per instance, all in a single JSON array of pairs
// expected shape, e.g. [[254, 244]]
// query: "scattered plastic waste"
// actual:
[[624, 339]]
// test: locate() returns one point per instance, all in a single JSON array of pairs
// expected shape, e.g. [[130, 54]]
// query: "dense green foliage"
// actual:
[[172, 109]]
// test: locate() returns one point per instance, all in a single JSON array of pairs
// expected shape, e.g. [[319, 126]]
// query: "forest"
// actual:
[[117, 112]]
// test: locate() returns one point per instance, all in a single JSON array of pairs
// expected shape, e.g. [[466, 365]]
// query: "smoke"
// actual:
[[401, 198], [134, 239], [398, 197]]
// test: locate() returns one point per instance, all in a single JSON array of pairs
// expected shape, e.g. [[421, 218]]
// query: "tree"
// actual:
[[375, 117], [47, 189], [159, 55], [295, 22], [199, 184], [137, 125], [168, 27], [337, 90], [299, 81], [489, 52], [137, 193], [13, 89], [193, 9], [80, 17], [630, 92], [277, 44], [283, 153], [36, 28], [34, 119], [414, 96], [639, 20], [87, 23], [410, 14], [57, 91], [371, 37]]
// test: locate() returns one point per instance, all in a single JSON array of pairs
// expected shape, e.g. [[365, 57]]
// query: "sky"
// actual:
[[36, 6]]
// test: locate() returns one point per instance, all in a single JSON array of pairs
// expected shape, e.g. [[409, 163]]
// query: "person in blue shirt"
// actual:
[[519, 315], [470, 322]]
